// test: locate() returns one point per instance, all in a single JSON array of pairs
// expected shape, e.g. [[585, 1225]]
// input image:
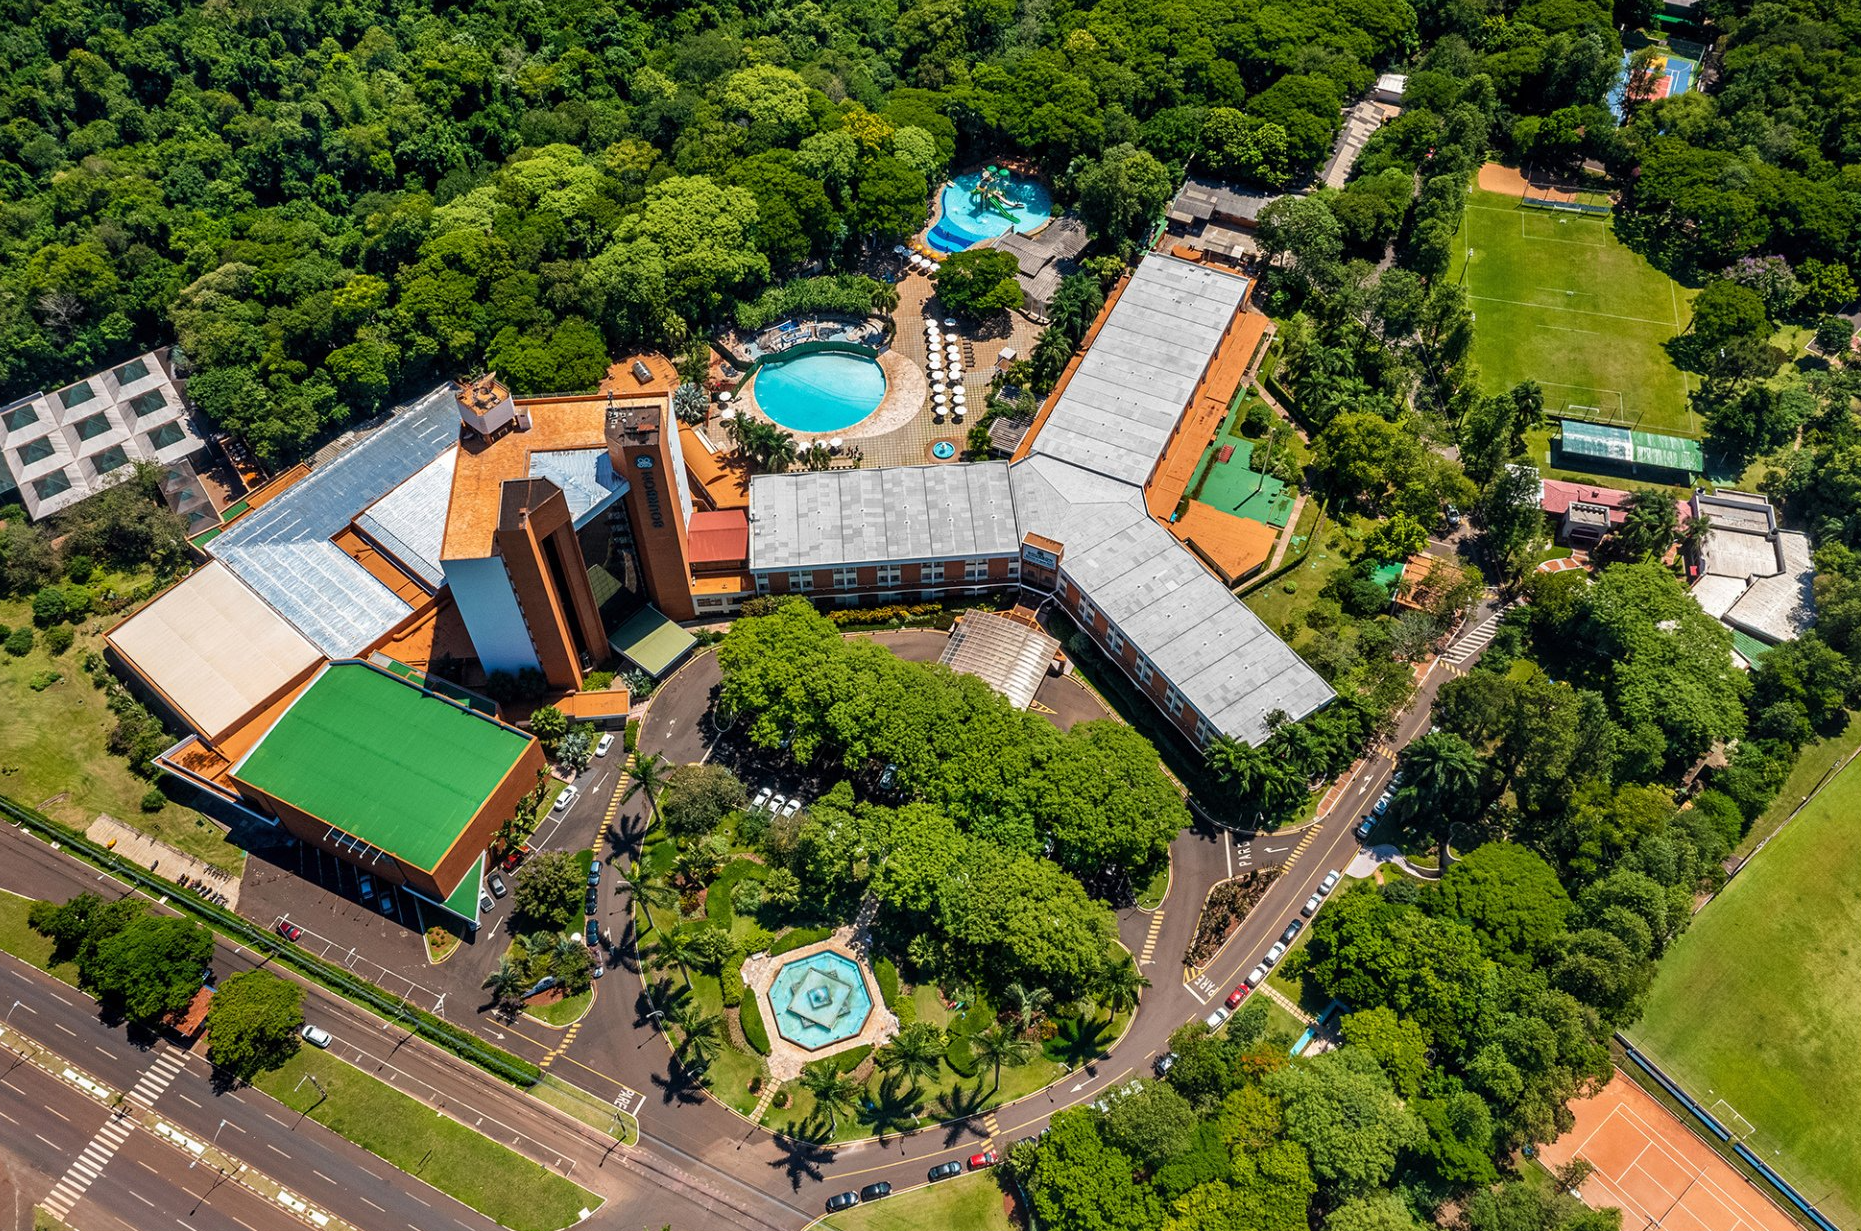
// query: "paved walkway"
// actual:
[[160, 858]]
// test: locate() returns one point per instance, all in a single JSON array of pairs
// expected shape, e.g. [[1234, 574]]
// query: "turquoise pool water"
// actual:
[[961, 223], [822, 392], [819, 1000]]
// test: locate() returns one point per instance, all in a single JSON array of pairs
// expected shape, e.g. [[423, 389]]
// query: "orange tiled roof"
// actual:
[[721, 537], [1234, 546], [1208, 407], [728, 487]]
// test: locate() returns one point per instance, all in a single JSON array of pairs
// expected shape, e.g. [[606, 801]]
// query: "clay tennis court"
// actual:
[[1651, 1167]]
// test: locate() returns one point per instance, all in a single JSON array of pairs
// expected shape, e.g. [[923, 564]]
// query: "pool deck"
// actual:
[[901, 431], [786, 1059]]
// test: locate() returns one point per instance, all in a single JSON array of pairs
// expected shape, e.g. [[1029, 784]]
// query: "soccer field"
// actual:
[[1558, 299], [1757, 1009]]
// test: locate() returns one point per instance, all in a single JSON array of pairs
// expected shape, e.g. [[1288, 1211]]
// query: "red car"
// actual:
[[290, 931], [988, 1158], [1238, 994]]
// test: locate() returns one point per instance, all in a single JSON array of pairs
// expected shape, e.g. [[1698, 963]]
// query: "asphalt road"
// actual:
[[699, 1165]]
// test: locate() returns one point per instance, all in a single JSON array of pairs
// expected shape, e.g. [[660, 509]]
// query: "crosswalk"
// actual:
[[1476, 639], [1311, 832], [992, 1127], [1144, 956], [90, 1162], [568, 1038]]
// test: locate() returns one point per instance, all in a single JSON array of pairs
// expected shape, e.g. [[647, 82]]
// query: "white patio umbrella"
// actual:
[[938, 399], [938, 386], [836, 444], [959, 395]]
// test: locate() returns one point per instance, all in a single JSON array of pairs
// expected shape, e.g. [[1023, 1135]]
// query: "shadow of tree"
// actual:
[[1079, 1041], [800, 1158], [894, 1110], [959, 1105]]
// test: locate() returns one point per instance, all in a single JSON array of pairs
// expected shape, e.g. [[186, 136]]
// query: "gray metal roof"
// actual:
[[1117, 412], [282, 549], [1196, 634], [410, 521], [836, 518], [586, 477]]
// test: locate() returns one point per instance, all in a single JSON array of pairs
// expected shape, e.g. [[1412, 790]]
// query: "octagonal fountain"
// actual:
[[820, 1000]]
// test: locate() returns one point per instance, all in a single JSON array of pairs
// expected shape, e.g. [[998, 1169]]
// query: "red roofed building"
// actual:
[[1586, 512], [719, 540]]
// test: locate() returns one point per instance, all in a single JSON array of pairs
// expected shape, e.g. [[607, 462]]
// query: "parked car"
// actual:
[[842, 1201], [761, 801], [594, 874], [1383, 801], [776, 804], [603, 745], [792, 806], [1365, 826], [498, 887], [485, 902], [1292, 931], [593, 901], [365, 887], [290, 931], [1165, 1063], [1311, 905], [514, 857], [565, 799], [988, 1158], [316, 1036], [872, 1192], [596, 969], [887, 776], [1274, 954], [1238, 994], [385, 903], [1330, 882], [592, 934], [1453, 517], [1216, 1018], [1256, 976], [943, 1171]]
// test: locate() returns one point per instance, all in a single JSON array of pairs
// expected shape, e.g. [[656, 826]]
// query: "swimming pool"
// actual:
[[820, 1000], [826, 391], [961, 222]]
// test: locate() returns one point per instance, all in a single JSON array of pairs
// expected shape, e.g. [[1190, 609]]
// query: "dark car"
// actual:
[[290, 931], [594, 875], [1292, 931], [872, 1192], [592, 903], [593, 934], [842, 1201], [498, 887], [943, 1171]]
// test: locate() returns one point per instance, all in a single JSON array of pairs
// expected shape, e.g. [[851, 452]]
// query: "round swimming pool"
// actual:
[[966, 217], [823, 392]]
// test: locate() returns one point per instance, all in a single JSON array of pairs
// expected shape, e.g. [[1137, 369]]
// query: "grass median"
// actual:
[[973, 1202], [460, 1162]]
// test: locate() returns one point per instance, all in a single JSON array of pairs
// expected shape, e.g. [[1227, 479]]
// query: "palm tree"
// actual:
[[885, 297], [704, 1032], [673, 948], [831, 1089], [650, 891], [646, 773], [779, 452], [1119, 985], [915, 1051], [999, 1046], [1441, 773], [505, 983], [1027, 1003]]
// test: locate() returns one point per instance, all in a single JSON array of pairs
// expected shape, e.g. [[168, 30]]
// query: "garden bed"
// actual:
[[1228, 903]]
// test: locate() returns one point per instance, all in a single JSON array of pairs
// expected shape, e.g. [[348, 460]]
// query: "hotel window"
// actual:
[[1143, 670], [1088, 614], [1114, 641], [975, 570], [1060, 587], [890, 574], [801, 582], [762, 583], [1203, 732], [846, 578], [1014, 567], [1173, 701]]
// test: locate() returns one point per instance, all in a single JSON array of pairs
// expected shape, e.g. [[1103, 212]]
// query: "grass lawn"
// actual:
[[1753, 1009], [1815, 761], [1558, 299], [967, 1203], [563, 1012], [494, 1180], [18, 938], [1283, 602], [588, 1108], [52, 753]]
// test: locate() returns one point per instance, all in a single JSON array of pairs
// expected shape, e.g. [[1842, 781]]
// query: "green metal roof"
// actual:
[[1749, 648], [1624, 447], [651, 641], [390, 765]]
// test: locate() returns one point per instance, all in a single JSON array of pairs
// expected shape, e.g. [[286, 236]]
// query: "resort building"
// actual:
[[1754, 577], [64, 446]]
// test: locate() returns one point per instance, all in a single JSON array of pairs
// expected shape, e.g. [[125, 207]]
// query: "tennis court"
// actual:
[[1651, 1167], [1558, 299]]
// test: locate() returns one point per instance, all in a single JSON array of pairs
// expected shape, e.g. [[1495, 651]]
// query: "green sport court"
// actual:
[[400, 769], [1231, 487], [1753, 1008], [1558, 299]]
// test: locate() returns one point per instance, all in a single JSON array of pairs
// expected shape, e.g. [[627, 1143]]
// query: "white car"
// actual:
[[1216, 1018], [1311, 905], [565, 799], [1274, 954], [1256, 976], [316, 1036], [603, 744], [761, 801], [1330, 882], [792, 806], [776, 804], [1383, 801]]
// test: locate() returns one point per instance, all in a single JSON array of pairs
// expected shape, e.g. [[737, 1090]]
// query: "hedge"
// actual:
[[887, 975], [959, 1056], [795, 938], [852, 1057], [731, 980], [847, 294], [749, 1015]]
